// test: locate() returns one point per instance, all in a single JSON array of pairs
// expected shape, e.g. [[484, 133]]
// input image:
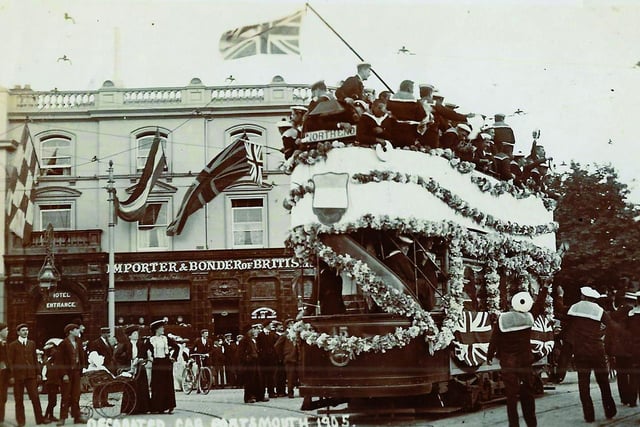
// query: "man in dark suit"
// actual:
[[203, 345], [231, 359], [21, 355], [248, 355], [267, 357], [72, 358], [4, 368], [353, 87], [103, 347]]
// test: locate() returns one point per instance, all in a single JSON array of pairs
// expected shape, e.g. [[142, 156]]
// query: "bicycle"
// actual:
[[201, 379]]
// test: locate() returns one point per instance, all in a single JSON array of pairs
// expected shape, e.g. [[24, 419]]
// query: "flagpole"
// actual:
[[111, 292], [348, 45]]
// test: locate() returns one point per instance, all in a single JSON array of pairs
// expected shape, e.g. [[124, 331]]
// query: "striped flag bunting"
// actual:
[[280, 37], [236, 161], [134, 207], [20, 195]]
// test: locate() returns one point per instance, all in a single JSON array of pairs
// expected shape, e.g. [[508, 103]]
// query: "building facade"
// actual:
[[227, 268]]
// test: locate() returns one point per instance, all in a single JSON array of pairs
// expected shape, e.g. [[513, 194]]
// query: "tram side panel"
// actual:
[[404, 371]]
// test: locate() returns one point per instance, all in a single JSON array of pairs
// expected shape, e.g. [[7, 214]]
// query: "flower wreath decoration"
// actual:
[[493, 249]]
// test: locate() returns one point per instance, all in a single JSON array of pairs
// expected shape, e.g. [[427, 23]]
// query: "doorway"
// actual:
[[226, 322], [51, 326]]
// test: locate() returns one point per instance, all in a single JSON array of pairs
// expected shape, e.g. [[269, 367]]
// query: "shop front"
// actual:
[[218, 290]]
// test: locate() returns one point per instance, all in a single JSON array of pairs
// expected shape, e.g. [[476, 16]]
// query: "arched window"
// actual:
[[144, 140], [55, 154]]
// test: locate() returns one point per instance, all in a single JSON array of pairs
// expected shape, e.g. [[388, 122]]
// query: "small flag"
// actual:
[[20, 194], [234, 162], [280, 37], [134, 207]]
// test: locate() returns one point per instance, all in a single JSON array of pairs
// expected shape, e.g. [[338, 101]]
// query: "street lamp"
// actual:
[[48, 277]]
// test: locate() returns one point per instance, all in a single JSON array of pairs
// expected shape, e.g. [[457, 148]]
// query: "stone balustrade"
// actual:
[[25, 101], [65, 241]]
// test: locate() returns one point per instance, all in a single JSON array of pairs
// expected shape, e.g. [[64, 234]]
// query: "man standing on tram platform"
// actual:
[[511, 342], [587, 323]]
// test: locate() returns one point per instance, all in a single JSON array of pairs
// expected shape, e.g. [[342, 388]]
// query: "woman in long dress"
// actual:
[[163, 395], [130, 355]]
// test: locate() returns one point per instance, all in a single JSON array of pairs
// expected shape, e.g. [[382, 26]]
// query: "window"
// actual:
[[55, 155], [152, 227], [144, 140], [248, 223], [57, 215]]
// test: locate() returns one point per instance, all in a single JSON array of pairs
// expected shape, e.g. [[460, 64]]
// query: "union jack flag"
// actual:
[[472, 336], [281, 37], [230, 165], [542, 336], [254, 157]]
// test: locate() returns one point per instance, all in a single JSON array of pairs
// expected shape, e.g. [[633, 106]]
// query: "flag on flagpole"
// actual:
[[280, 37], [239, 159], [133, 208], [20, 194]]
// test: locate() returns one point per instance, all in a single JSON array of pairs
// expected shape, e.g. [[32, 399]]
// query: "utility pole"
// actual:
[[111, 293]]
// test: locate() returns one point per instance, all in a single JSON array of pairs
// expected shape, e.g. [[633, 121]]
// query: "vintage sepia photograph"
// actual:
[[279, 213]]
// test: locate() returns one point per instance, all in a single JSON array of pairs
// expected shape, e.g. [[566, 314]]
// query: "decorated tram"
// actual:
[[416, 252]]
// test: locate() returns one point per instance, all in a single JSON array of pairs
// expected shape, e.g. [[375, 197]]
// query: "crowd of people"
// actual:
[[597, 336], [401, 120], [63, 364], [263, 361]]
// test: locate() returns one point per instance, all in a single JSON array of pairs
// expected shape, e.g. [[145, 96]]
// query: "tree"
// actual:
[[600, 226]]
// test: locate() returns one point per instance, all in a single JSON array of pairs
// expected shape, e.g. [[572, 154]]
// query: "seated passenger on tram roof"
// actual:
[[373, 127], [329, 114], [483, 154], [318, 91], [454, 135], [291, 136], [385, 96], [403, 104]]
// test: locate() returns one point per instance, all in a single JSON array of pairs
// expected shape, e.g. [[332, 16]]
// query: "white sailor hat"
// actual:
[[522, 302], [464, 127], [284, 123], [299, 108], [589, 292]]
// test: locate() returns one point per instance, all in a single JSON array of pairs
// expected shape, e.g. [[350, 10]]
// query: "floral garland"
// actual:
[[314, 155], [456, 203], [392, 300], [502, 187], [310, 157], [305, 243], [296, 193]]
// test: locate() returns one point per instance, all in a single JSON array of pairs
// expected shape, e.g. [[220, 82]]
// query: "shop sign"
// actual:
[[263, 313], [60, 302], [205, 265]]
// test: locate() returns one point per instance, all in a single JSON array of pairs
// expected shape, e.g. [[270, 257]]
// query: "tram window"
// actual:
[[473, 290]]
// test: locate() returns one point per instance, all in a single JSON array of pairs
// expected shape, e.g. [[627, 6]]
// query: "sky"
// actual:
[[571, 67]]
